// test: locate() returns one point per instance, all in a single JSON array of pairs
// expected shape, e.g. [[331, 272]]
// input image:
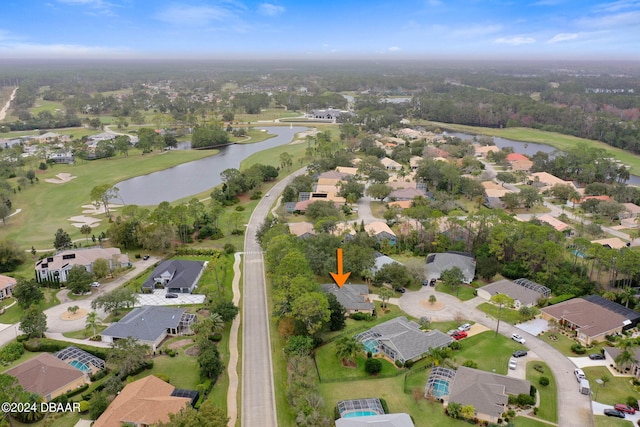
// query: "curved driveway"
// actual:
[[574, 409]]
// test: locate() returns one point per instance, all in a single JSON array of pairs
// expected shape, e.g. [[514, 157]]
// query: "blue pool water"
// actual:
[[359, 414], [371, 346], [79, 365], [440, 388]]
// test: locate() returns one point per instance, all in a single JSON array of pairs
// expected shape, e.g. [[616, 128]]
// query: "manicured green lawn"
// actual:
[[604, 421], [182, 370], [462, 292], [13, 314], [548, 409], [267, 114], [331, 368], [445, 326], [378, 209], [354, 327], [504, 314], [84, 333], [490, 352], [563, 344], [528, 422], [25, 356], [615, 391], [423, 412]]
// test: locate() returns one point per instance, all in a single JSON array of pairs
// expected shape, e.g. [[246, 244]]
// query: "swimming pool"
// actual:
[[439, 388], [371, 346], [79, 365], [359, 414]]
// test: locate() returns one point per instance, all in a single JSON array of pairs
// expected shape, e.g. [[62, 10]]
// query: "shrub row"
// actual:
[[51, 346], [560, 298]]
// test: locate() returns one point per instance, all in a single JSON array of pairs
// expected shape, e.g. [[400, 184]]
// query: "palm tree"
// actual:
[[348, 347], [627, 354], [92, 322], [385, 294], [217, 324], [627, 296]]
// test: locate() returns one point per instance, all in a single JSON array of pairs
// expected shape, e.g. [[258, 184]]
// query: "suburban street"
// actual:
[[258, 396]]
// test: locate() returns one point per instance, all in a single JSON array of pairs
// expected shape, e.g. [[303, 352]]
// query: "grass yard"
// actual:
[[46, 207], [378, 209], [563, 344], [548, 409], [354, 327], [182, 370], [529, 422], [267, 114], [490, 352], [462, 292], [42, 105], [13, 314], [331, 369], [558, 140], [604, 421], [504, 314], [617, 390], [423, 412], [84, 333], [25, 356]]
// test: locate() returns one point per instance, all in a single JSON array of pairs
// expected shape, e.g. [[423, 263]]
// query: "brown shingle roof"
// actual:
[[590, 318], [146, 401], [44, 374]]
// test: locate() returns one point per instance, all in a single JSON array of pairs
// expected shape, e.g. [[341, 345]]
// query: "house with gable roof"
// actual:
[[354, 298], [176, 275]]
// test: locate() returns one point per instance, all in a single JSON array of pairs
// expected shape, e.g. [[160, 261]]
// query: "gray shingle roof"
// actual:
[[146, 323], [184, 273], [350, 296], [513, 290], [386, 420], [437, 263]]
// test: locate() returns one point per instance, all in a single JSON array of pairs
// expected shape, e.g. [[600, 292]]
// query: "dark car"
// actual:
[[432, 282], [146, 257], [613, 413], [458, 335], [519, 353], [425, 283], [401, 290], [624, 408], [171, 296], [596, 356]]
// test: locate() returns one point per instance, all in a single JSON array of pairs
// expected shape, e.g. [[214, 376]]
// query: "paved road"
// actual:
[[574, 409], [258, 396]]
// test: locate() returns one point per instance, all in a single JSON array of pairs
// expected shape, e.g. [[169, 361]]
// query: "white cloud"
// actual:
[[101, 6], [199, 16], [562, 37], [269, 9], [394, 49], [616, 6], [515, 41], [475, 30]]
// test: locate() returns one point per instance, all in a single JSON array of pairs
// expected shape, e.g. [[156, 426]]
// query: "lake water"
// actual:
[[528, 148], [199, 175]]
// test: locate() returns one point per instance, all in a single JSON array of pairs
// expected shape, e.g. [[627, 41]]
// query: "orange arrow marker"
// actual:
[[340, 278]]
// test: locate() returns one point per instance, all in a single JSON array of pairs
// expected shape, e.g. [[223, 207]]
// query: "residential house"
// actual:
[[346, 230], [519, 162], [402, 340], [414, 162], [493, 189], [382, 260], [437, 263], [578, 203], [556, 224], [592, 317], [347, 170], [146, 402], [48, 376], [611, 243], [334, 174], [61, 157], [523, 292], [56, 267], [302, 206], [544, 181], [402, 204], [390, 164], [354, 298], [406, 194], [631, 211], [484, 150], [386, 420], [150, 325], [330, 114], [633, 368], [487, 392], [381, 231], [176, 275], [6, 286], [302, 230]]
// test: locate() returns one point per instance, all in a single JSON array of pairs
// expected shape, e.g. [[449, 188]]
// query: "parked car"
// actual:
[[146, 257], [513, 364], [171, 296], [425, 283], [458, 335], [518, 338], [613, 413], [401, 290], [432, 282], [596, 356], [625, 408], [519, 353], [579, 373], [452, 331], [95, 284], [464, 327]]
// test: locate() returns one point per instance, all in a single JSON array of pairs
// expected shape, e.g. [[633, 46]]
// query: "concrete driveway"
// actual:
[[534, 327], [158, 297], [598, 409]]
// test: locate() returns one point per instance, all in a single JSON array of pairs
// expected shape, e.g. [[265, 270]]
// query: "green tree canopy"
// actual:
[[33, 322]]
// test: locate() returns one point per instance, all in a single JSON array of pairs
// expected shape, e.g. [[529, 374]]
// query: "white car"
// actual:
[[518, 338], [579, 373], [513, 364], [95, 285], [464, 327]]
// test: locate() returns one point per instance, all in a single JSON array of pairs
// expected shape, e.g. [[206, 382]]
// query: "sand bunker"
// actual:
[[80, 220], [436, 306], [61, 178], [97, 210], [67, 315]]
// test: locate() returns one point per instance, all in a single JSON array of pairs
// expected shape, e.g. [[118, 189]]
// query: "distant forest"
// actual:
[[599, 101]]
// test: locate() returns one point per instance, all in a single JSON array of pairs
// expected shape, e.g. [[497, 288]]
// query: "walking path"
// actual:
[[232, 394], [3, 111]]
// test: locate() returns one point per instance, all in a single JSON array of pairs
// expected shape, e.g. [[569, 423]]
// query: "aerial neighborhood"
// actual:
[[224, 247]]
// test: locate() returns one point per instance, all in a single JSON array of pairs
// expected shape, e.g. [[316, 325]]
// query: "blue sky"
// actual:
[[321, 29]]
